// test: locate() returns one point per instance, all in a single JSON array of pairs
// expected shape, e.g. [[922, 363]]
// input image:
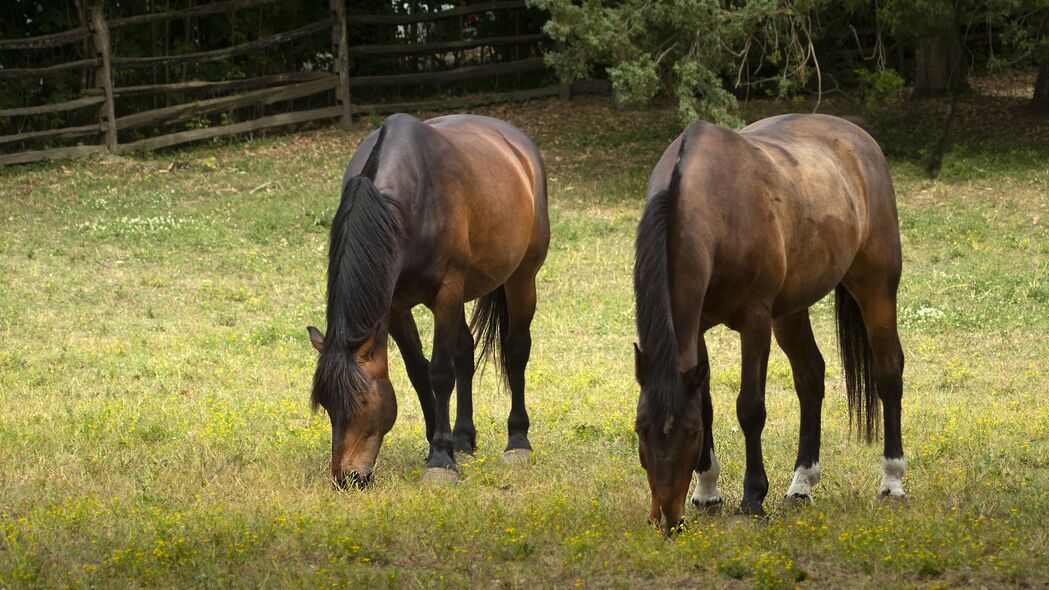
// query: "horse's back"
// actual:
[[801, 144], [858, 161], [506, 170], [838, 201], [478, 184], [783, 207]]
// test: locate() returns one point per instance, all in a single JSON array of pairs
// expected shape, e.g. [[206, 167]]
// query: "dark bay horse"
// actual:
[[749, 230], [436, 213]]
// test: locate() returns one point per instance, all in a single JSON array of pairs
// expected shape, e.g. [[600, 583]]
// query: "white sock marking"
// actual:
[[706, 493], [892, 471], [805, 478]]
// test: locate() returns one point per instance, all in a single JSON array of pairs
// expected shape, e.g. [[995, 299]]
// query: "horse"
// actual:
[[439, 213], [749, 230]]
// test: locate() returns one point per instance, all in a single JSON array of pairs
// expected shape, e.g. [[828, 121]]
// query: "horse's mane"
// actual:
[[364, 249], [655, 326]]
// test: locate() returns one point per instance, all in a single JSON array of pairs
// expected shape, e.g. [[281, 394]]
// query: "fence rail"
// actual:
[[53, 40], [225, 53], [419, 17], [100, 65], [425, 48]]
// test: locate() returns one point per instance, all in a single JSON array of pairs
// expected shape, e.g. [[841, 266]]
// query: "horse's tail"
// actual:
[[489, 324], [857, 362]]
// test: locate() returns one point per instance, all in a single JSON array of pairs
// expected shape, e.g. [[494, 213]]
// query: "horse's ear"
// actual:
[[316, 338], [640, 365], [695, 376]]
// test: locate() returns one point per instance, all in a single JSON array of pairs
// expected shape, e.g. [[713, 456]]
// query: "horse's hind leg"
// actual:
[[879, 316], [794, 335], [520, 303], [465, 433]]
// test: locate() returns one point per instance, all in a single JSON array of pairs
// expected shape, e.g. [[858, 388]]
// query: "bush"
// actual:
[[880, 86]]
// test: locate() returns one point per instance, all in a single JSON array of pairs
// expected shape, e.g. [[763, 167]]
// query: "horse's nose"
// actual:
[[671, 522], [360, 480], [353, 479]]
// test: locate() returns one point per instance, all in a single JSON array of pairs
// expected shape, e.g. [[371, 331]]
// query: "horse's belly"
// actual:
[[495, 253], [816, 263]]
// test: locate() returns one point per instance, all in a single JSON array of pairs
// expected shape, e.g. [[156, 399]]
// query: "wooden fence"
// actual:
[[249, 92]]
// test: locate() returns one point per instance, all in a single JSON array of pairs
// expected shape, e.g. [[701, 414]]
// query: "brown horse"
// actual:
[[749, 230], [437, 213]]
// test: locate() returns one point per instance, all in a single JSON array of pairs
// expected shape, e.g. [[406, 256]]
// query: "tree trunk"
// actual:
[[940, 65], [1040, 102]]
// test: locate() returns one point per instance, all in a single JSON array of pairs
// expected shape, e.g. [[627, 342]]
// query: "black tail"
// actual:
[[857, 363], [489, 324]]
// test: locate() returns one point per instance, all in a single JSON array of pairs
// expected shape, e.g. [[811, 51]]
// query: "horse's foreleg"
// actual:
[[706, 496], [756, 337], [448, 320], [794, 335], [520, 303], [464, 433], [406, 335]]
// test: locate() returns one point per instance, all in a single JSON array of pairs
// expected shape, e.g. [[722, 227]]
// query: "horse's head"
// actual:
[[669, 440], [353, 385]]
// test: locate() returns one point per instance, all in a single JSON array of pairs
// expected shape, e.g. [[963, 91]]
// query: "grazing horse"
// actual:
[[749, 230], [439, 213]]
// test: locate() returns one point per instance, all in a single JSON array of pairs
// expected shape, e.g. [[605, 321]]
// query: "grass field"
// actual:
[[154, 381]]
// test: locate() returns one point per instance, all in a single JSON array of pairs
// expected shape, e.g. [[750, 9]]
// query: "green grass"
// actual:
[[155, 371]]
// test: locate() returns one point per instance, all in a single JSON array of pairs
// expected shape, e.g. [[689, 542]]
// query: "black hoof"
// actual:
[[709, 506], [750, 508], [465, 445], [518, 441], [441, 460]]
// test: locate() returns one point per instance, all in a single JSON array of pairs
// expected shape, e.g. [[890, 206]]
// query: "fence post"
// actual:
[[340, 43], [100, 33]]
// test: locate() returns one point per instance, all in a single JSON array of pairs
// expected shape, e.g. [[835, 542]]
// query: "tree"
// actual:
[[1032, 25], [933, 27], [684, 48]]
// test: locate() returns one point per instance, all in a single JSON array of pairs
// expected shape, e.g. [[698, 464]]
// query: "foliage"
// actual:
[[155, 427], [686, 48], [880, 86], [911, 19]]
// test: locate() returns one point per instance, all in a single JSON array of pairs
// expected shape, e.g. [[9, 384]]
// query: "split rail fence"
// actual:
[[249, 92]]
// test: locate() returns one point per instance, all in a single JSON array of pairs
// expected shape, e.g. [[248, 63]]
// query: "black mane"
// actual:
[[364, 250], [655, 326]]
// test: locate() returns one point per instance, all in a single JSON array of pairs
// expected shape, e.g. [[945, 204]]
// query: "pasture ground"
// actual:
[[155, 371]]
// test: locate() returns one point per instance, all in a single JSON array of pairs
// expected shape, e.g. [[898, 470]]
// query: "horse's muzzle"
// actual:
[[353, 479]]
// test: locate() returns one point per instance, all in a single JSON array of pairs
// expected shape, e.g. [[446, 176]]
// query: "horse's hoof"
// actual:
[[887, 498], [750, 509], [517, 456], [709, 505], [794, 501], [440, 475]]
